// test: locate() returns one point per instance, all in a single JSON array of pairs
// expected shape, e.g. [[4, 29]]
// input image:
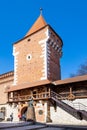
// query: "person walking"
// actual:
[[23, 117]]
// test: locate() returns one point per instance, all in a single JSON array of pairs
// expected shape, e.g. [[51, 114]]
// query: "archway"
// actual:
[[23, 112]]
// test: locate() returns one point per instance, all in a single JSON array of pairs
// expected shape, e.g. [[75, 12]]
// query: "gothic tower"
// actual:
[[37, 55]]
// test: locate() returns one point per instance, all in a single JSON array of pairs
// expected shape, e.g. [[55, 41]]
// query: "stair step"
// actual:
[[69, 109], [74, 112]]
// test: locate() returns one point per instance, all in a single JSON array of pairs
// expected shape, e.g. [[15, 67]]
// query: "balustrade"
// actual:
[[37, 96]]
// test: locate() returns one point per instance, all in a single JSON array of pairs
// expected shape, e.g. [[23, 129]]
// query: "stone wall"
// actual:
[[59, 116], [41, 111], [12, 108]]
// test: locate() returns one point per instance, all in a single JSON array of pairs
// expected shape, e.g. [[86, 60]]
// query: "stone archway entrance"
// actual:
[[24, 110], [23, 113]]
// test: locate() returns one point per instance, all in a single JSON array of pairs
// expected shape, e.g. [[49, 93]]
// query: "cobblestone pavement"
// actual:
[[37, 126]]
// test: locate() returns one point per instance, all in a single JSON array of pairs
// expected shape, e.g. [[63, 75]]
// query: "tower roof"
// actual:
[[39, 23]]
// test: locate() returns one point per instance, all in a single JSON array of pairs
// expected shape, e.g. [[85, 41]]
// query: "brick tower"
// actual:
[[37, 55]]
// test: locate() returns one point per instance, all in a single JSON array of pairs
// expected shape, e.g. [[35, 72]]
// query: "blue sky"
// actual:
[[67, 17]]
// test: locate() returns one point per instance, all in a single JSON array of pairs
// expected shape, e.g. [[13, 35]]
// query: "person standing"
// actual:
[[11, 117]]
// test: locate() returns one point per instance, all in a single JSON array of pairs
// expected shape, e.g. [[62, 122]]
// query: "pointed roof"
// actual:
[[39, 23]]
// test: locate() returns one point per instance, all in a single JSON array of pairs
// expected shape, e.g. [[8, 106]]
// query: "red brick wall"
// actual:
[[30, 70], [4, 83], [53, 59], [44, 62]]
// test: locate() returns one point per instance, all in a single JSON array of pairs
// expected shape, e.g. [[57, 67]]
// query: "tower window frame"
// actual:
[[29, 56]]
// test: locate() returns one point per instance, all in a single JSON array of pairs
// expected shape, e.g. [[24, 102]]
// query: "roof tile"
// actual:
[[39, 23]]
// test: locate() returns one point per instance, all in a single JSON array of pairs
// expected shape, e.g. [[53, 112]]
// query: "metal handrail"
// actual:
[[80, 106], [76, 105]]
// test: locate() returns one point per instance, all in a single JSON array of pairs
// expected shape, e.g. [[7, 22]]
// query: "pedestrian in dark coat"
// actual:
[[11, 117]]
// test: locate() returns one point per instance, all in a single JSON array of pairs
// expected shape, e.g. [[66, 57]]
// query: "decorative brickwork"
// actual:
[[38, 58]]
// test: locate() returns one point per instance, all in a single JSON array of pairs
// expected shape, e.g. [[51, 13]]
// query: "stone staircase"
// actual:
[[77, 110]]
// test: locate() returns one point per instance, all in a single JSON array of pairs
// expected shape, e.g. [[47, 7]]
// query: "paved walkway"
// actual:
[[31, 127], [21, 126], [38, 126], [4, 125]]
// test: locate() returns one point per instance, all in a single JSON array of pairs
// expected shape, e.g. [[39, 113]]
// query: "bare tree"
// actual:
[[81, 71]]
